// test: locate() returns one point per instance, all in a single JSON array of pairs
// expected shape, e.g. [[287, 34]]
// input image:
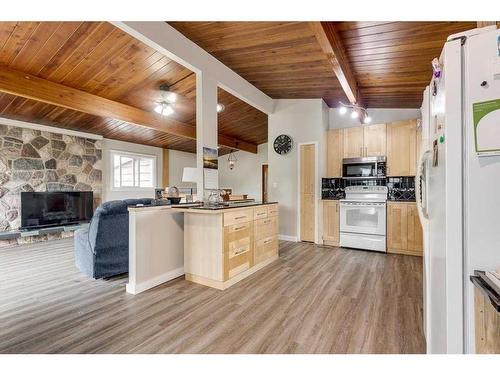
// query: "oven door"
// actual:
[[363, 217], [359, 170]]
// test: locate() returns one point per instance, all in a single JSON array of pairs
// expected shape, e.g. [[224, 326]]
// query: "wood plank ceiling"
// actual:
[[390, 60], [98, 58]]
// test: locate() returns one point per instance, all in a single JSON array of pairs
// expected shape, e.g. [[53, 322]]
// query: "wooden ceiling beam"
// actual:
[[331, 44], [31, 87]]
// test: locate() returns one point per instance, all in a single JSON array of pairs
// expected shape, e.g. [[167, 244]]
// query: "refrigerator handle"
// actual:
[[420, 181]]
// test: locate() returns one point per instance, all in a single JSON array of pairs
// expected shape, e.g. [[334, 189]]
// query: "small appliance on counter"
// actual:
[[171, 194], [401, 188], [332, 188]]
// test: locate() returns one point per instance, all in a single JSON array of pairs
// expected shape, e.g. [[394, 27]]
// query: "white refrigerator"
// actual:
[[458, 185]]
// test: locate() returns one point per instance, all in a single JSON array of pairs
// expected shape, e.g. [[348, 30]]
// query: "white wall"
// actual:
[[110, 144], [305, 120], [378, 115], [177, 160], [246, 177]]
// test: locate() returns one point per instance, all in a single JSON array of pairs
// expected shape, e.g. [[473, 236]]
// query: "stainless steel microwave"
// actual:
[[364, 168]]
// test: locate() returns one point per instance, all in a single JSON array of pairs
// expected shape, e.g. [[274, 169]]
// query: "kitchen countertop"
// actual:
[[219, 209], [401, 200]]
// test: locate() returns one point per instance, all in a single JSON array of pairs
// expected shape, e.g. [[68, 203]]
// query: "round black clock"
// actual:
[[283, 144]]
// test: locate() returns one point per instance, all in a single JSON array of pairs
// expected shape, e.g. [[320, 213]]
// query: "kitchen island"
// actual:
[[225, 244]]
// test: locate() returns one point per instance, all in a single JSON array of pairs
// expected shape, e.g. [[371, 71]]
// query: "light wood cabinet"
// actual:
[[402, 148], [353, 142], [486, 324], [222, 247], [362, 141], [404, 232], [414, 233], [331, 223], [334, 152], [374, 140]]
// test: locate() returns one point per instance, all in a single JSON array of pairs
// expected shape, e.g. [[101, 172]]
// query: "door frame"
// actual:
[[316, 189]]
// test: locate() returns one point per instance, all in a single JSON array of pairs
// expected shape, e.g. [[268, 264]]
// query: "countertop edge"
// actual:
[[219, 210], [486, 290]]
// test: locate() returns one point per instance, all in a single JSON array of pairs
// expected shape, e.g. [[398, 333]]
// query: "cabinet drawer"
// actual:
[[238, 230], [265, 249], [273, 210], [260, 212], [264, 228], [237, 259], [238, 217]]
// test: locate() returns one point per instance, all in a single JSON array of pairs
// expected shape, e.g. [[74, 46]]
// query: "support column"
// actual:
[[206, 122]]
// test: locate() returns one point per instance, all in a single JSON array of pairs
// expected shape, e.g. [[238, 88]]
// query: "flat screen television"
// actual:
[[55, 208]]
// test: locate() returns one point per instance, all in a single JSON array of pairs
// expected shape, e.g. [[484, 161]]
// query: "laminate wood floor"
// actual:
[[312, 300]]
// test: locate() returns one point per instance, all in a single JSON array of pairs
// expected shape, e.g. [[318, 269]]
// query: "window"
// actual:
[[133, 171]]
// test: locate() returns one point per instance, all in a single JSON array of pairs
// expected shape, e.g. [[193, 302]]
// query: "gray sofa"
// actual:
[[101, 250]]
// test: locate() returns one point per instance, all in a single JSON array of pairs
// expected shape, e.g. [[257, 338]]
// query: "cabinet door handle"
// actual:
[[267, 241], [240, 228], [266, 221], [240, 251], [361, 151], [239, 217]]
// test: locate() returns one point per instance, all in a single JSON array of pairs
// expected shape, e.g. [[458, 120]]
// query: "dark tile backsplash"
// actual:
[[400, 188], [332, 188]]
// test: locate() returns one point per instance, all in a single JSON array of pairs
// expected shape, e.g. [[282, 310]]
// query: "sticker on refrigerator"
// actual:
[[486, 120]]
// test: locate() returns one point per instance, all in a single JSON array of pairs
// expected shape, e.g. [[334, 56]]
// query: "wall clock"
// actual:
[[283, 144]]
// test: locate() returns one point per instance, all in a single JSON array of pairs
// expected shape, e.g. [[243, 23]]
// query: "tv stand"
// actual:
[[13, 234]]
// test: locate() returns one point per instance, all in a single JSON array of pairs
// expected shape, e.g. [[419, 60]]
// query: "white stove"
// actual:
[[363, 218]]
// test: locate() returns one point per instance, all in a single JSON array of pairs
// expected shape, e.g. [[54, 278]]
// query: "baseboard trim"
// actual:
[[284, 237], [155, 281]]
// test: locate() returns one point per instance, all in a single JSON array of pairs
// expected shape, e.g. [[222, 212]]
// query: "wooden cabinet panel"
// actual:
[[238, 217], [374, 140], [273, 210], [353, 142], [415, 236], [238, 249], [260, 212], [265, 248], [265, 227], [397, 227], [402, 148], [404, 232], [334, 153], [331, 223], [486, 325]]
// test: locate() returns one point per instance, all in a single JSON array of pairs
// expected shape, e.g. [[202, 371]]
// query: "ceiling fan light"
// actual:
[[170, 97], [343, 110], [220, 107], [354, 114], [166, 94], [367, 120], [164, 109]]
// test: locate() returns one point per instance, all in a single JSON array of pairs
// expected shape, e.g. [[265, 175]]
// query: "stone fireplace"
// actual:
[[33, 160]]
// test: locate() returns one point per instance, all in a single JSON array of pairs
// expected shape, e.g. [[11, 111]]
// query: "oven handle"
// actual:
[[362, 204]]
